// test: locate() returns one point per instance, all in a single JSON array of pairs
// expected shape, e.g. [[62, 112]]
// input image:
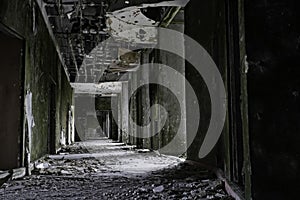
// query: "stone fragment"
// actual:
[[18, 173], [42, 166], [4, 174], [158, 189], [65, 172]]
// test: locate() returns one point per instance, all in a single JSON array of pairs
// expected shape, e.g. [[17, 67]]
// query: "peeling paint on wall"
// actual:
[[30, 121], [62, 137]]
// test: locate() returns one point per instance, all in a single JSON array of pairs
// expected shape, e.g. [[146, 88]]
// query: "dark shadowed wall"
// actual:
[[273, 49], [43, 71]]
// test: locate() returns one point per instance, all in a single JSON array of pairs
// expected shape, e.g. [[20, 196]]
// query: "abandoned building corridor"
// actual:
[[150, 99]]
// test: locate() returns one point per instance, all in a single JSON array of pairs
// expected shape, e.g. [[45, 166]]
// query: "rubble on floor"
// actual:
[[112, 175], [75, 148]]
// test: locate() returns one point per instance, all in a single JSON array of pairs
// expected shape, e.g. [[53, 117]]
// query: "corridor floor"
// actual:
[[102, 169]]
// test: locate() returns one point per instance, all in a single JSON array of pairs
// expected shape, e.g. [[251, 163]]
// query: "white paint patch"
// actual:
[[62, 138], [29, 115]]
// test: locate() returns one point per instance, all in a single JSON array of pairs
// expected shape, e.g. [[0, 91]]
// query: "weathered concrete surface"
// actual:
[[175, 104], [205, 23], [132, 83], [124, 106], [118, 173], [42, 69], [143, 104], [273, 89]]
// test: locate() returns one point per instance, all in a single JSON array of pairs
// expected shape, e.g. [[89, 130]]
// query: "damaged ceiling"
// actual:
[[78, 26]]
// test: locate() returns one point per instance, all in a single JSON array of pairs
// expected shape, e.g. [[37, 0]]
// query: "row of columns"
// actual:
[[142, 106]]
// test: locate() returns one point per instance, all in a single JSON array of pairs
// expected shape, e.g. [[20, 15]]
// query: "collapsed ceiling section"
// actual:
[[96, 36]]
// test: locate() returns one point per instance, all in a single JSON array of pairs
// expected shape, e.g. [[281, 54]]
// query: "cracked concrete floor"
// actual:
[[103, 169]]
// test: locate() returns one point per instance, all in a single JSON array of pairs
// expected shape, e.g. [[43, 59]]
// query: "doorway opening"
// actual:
[[11, 99]]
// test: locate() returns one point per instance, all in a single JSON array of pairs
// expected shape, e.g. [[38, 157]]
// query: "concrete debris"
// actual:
[[12, 175], [143, 150], [158, 189], [42, 166], [73, 149], [18, 173], [4, 174], [143, 190], [112, 177], [65, 172], [71, 156], [17, 187]]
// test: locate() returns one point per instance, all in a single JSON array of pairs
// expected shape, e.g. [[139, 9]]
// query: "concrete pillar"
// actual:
[[125, 112], [132, 106], [119, 107], [213, 39], [146, 101], [143, 103], [114, 120], [174, 104], [103, 123], [155, 117], [108, 125]]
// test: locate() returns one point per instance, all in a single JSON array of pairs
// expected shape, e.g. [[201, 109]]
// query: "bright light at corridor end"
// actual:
[[202, 62]]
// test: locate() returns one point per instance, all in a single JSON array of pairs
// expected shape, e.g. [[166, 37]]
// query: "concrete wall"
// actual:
[[132, 82], [124, 112], [219, 27], [174, 104], [266, 93], [42, 69], [205, 23], [273, 49], [114, 121], [143, 103]]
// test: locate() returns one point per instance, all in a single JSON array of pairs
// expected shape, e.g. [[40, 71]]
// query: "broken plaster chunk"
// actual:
[[158, 189], [143, 151], [42, 166], [65, 172], [218, 195], [143, 190], [4, 174], [18, 173]]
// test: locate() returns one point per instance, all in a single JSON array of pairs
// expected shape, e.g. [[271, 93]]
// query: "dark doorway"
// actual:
[[11, 100]]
